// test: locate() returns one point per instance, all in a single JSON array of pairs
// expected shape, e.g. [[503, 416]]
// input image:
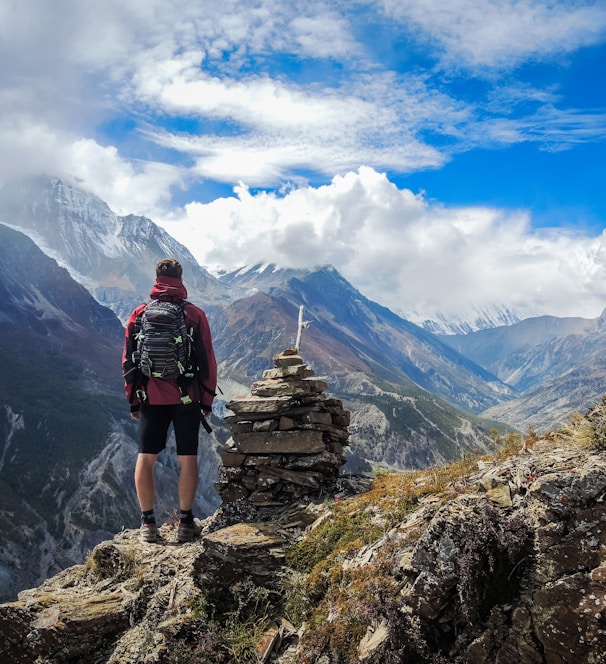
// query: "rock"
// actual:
[[287, 358], [243, 550], [280, 442], [288, 420], [258, 405], [291, 388], [501, 495], [459, 578], [296, 477], [376, 635]]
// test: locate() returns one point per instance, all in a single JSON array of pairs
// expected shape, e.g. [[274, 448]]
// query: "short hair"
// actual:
[[169, 267]]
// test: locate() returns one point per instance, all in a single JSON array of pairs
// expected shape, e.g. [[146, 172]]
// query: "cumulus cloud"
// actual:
[[400, 250]]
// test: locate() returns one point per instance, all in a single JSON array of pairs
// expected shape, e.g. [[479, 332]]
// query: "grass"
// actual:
[[339, 603], [588, 431]]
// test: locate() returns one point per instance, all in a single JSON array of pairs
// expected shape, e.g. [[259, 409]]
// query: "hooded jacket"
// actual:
[[163, 391]]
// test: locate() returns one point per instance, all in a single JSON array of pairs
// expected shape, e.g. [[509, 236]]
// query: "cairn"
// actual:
[[287, 438]]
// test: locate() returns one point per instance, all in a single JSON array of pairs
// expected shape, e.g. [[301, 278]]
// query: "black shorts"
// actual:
[[155, 421]]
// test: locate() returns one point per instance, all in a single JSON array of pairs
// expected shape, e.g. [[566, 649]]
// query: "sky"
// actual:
[[446, 156]]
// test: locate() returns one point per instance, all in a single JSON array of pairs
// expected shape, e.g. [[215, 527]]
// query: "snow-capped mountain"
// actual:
[[264, 276], [260, 277], [112, 256], [384, 343], [470, 320]]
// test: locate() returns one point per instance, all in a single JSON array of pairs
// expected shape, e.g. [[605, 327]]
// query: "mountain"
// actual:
[[394, 349], [67, 443], [470, 320], [260, 277], [112, 256], [382, 343], [405, 389], [557, 364]]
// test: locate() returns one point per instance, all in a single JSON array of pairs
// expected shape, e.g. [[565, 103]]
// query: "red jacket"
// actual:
[[162, 391]]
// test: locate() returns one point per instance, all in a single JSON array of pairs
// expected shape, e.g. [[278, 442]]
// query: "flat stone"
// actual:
[[292, 388], [302, 478], [280, 442], [500, 495], [259, 460], [325, 462], [265, 425], [257, 405], [242, 426], [271, 639], [233, 460], [374, 638], [242, 551], [250, 482], [286, 423], [232, 493], [294, 371], [315, 417], [287, 358]]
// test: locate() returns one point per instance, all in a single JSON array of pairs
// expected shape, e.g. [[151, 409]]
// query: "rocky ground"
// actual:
[[502, 562]]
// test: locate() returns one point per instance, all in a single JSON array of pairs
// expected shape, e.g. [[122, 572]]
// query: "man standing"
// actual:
[[160, 397]]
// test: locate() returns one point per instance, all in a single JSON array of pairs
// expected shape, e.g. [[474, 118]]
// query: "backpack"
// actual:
[[164, 343]]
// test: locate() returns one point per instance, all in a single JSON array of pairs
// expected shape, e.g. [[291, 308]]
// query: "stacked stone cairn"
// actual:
[[287, 438]]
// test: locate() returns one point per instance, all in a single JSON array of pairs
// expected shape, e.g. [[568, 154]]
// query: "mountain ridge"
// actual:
[[492, 559]]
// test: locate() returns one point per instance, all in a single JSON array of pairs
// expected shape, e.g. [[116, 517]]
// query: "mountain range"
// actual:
[[71, 273], [558, 365]]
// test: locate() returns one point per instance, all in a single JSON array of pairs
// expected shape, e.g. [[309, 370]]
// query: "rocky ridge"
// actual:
[[506, 562]]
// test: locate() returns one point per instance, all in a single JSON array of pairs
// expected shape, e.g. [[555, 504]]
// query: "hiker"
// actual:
[[168, 381]]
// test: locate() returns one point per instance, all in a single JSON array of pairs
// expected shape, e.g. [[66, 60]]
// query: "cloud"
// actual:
[[124, 184], [136, 100], [502, 33], [400, 250], [241, 91]]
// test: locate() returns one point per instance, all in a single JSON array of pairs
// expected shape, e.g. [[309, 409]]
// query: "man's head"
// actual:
[[169, 267]]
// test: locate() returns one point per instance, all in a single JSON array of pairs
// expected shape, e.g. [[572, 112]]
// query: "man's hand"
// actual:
[[135, 415], [205, 414]]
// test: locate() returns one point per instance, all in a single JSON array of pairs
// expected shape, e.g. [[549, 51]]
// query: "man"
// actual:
[[182, 400]]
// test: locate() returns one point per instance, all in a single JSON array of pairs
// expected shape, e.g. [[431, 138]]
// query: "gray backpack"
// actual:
[[164, 343]]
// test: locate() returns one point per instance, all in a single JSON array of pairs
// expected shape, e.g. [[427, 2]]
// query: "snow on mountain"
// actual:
[[114, 257], [470, 320], [261, 276]]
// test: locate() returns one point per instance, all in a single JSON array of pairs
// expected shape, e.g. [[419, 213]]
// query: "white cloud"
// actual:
[[401, 251], [502, 33], [127, 186], [198, 91], [278, 127], [165, 64]]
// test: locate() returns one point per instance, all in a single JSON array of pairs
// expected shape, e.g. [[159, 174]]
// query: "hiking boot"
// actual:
[[148, 532], [189, 531]]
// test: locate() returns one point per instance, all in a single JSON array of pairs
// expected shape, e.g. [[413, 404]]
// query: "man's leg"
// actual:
[[188, 480], [187, 426], [144, 480]]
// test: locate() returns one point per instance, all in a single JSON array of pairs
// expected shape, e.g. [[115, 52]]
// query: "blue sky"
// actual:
[[446, 155]]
